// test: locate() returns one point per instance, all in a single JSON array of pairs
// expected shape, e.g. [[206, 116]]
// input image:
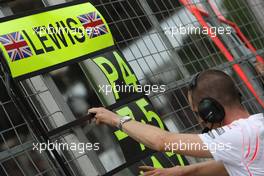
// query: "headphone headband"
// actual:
[[193, 82]]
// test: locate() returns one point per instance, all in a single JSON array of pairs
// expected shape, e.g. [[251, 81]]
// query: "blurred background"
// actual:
[[141, 29]]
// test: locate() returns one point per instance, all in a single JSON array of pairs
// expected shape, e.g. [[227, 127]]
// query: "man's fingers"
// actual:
[[149, 173], [93, 110], [146, 168], [97, 121], [104, 116]]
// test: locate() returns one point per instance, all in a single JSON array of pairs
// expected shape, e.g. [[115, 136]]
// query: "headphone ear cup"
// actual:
[[211, 111]]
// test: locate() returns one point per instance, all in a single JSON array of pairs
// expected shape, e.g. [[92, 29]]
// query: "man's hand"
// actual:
[[105, 116], [207, 168], [151, 171]]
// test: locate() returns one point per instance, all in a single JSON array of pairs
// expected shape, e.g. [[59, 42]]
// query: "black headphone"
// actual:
[[209, 109]]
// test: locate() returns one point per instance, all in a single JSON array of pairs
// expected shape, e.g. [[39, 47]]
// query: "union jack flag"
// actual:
[[16, 46], [93, 24]]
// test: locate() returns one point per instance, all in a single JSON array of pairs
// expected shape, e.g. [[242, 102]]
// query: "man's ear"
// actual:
[[189, 94]]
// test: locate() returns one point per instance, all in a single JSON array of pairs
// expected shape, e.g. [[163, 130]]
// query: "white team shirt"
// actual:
[[239, 145]]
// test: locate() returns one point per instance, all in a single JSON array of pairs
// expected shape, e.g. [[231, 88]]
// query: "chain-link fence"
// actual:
[[147, 32]]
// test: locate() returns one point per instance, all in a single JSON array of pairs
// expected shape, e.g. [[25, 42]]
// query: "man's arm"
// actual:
[[207, 168], [153, 137]]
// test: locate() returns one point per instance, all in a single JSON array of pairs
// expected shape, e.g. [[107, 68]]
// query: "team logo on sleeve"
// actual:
[[220, 131], [16, 46], [93, 24], [211, 134]]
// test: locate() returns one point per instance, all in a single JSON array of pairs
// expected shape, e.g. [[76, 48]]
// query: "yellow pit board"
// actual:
[[53, 37]]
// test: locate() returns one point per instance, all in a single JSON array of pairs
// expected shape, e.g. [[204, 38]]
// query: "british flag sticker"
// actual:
[[16, 46], [93, 24]]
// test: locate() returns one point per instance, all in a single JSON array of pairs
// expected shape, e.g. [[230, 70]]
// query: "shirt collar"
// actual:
[[257, 116]]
